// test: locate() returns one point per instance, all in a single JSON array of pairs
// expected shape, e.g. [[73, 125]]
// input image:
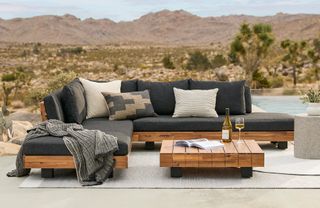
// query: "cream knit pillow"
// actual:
[[195, 103], [96, 104]]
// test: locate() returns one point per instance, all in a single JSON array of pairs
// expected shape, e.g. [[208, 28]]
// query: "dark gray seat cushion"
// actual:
[[73, 102], [162, 95], [253, 122], [230, 95], [55, 146]]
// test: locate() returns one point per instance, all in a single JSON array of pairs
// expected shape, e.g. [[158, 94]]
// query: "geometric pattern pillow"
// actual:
[[131, 105]]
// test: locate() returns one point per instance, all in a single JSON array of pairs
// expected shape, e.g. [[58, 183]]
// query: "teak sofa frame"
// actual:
[[47, 163]]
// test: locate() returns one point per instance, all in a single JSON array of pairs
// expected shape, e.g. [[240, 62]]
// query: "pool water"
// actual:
[[280, 104]]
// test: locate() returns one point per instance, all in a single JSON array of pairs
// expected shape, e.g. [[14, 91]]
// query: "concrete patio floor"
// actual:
[[12, 196]]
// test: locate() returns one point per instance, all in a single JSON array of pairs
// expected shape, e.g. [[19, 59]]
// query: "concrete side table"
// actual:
[[307, 137]]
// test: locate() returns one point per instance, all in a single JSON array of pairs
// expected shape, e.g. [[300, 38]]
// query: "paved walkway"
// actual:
[[12, 196]]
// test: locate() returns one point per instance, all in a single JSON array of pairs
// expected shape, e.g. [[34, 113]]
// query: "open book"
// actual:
[[201, 143]]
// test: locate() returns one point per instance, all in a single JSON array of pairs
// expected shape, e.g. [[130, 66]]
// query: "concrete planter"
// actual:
[[313, 109]]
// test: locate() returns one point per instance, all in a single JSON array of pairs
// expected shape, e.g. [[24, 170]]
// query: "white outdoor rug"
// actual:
[[144, 172]]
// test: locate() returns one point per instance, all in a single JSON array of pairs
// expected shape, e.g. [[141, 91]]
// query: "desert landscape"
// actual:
[[41, 54]]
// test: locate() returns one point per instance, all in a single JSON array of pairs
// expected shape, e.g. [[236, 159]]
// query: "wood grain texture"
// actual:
[[245, 154], [250, 135], [166, 152], [64, 162], [43, 112]]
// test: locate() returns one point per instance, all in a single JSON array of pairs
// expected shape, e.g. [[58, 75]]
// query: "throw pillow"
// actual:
[[196, 103], [73, 102], [131, 105], [96, 104], [161, 94], [230, 95]]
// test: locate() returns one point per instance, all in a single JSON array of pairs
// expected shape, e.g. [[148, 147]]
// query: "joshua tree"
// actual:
[[13, 82], [7, 87], [295, 55], [250, 46], [314, 55]]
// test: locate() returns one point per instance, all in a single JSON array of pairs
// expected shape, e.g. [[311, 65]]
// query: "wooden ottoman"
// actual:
[[245, 156]]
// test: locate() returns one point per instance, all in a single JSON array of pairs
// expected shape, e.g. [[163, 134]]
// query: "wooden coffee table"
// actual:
[[245, 156]]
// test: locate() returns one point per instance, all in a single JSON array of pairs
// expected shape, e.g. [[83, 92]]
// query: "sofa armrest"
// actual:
[[53, 106]]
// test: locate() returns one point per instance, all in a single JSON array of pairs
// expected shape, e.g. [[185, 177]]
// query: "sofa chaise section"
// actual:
[[49, 152]]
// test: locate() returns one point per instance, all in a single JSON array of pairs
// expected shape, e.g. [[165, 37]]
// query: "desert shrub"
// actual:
[[8, 77], [36, 94], [260, 80], [75, 51], [36, 48], [218, 61], [167, 62], [276, 82], [198, 60]]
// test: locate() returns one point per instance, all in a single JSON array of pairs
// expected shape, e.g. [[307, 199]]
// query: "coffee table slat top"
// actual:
[[246, 154]]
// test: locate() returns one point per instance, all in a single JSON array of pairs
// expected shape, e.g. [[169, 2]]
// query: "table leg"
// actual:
[[176, 172], [246, 172]]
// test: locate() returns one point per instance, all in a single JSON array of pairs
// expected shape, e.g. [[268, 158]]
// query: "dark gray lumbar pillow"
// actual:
[[230, 95], [162, 95], [131, 105], [74, 102]]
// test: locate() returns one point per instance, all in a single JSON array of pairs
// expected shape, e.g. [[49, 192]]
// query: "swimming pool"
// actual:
[[280, 104]]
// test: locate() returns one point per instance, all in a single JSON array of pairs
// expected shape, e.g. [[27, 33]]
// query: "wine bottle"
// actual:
[[227, 128]]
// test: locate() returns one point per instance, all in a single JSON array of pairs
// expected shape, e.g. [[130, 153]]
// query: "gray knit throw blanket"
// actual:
[[92, 150]]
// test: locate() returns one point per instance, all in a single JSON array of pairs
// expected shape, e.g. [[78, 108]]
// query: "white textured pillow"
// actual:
[[96, 104], [197, 103]]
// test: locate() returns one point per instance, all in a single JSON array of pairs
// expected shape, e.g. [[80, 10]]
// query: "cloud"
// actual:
[[7, 7]]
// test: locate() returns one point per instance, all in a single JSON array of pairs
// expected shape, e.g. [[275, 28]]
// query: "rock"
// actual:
[[34, 118], [8, 148], [19, 129], [221, 73]]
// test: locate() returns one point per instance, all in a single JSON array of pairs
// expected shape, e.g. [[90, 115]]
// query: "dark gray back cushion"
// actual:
[[53, 105], [129, 85], [162, 95], [247, 94], [74, 102], [230, 95]]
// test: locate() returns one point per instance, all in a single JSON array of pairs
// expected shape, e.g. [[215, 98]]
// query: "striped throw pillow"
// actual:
[[195, 103]]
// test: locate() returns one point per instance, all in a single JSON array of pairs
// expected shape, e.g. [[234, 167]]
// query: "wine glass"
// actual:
[[239, 126]]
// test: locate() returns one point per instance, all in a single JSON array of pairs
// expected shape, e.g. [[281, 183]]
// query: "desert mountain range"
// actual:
[[164, 27]]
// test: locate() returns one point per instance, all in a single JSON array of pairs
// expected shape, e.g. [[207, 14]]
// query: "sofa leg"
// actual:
[[176, 172], [149, 145], [282, 145], [47, 173], [246, 172]]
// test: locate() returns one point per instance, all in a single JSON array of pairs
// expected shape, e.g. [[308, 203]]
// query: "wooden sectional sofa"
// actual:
[[51, 153]]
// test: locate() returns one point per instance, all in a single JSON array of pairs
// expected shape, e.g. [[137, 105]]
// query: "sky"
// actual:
[[125, 10]]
